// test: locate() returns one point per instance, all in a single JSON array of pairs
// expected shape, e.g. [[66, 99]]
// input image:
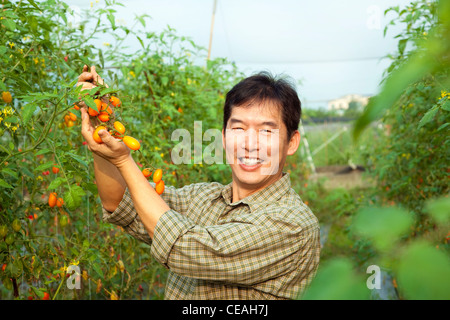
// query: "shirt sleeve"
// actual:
[[125, 215], [251, 249]]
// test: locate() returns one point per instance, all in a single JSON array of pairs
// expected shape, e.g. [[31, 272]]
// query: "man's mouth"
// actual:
[[250, 161]]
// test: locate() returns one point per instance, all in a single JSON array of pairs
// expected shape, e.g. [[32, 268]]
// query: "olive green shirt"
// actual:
[[265, 246]]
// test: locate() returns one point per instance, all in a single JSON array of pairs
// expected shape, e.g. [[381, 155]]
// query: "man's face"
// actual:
[[256, 145]]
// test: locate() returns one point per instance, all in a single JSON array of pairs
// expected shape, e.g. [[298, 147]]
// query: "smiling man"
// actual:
[[251, 239]]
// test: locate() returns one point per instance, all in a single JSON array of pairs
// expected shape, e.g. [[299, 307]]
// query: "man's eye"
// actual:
[[237, 128], [265, 131]]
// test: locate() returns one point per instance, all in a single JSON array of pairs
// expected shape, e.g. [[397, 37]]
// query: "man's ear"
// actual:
[[294, 143], [223, 138]]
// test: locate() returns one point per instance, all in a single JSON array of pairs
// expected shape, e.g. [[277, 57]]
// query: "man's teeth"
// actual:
[[250, 161]]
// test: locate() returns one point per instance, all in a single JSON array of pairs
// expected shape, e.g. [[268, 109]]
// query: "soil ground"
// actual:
[[342, 176]]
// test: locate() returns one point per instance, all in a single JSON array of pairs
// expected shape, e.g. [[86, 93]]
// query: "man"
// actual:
[[251, 239]]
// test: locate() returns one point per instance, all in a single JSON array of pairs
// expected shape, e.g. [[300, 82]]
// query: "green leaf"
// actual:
[[44, 166], [428, 116], [34, 4], [97, 269], [43, 151], [336, 280], [384, 226], [10, 24], [164, 81], [112, 20], [90, 103], [27, 112], [439, 209], [77, 158], [4, 184], [73, 197], [446, 105], [423, 273], [55, 183]]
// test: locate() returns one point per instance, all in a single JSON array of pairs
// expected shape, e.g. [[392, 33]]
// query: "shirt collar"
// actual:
[[269, 194]]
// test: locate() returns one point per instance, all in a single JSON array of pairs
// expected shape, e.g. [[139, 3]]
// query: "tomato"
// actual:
[[3, 231], [55, 169], [52, 199], [119, 127], [96, 136], [63, 221], [46, 296], [131, 143], [59, 202], [72, 116], [76, 107], [160, 187], [16, 225], [6, 96], [103, 116], [146, 172], [4, 266], [92, 112], [157, 176], [98, 103], [115, 101], [9, 239]]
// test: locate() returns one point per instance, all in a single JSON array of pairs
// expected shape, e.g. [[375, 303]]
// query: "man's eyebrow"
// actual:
[[264, 123]]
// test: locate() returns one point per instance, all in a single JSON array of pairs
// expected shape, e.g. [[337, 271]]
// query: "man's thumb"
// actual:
[[105, 136]]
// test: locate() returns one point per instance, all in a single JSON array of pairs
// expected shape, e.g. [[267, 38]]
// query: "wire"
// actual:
[[314, 61]]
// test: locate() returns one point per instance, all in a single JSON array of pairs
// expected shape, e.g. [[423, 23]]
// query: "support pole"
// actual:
[[212, 28]]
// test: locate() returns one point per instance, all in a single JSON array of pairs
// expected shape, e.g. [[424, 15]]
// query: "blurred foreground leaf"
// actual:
[[336, 280], [424, 273], [384, 226]]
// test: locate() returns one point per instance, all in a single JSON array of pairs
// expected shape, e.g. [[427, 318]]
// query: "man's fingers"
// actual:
[[86, 128], [107, 138]]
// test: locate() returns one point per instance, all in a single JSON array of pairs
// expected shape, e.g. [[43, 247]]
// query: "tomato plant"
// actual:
[[46, 175]]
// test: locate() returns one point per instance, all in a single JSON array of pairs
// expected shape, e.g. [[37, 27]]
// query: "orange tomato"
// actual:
[[119, 127], [160, 187], [6, 96], [92, 112], [146, 172], [52, 199], [115, 101], [72, 116], [157, 176], [96, 136], [98, 103], [55, 169], [59, 202], [103, 117], [131, 143]]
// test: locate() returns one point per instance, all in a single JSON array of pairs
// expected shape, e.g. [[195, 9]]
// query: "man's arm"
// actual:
[[147, 203], [110, 183]]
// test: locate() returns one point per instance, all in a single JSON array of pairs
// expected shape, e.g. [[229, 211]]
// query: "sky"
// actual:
[[330, 48]]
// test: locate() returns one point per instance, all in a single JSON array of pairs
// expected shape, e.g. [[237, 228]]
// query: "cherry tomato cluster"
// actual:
[[157, 179], [106, 116]]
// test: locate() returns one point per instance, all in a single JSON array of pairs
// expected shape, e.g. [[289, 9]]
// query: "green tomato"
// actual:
[[63, 221], [16, 225], [3, 231], [9, 239]]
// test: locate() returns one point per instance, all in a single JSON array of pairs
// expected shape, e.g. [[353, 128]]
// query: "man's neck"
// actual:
[[241, 191]]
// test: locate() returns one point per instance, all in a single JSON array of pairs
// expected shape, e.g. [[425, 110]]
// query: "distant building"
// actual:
[[350, 100]]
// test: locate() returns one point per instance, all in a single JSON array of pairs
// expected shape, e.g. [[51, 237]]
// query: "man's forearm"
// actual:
[[147, 203], [110, 183]]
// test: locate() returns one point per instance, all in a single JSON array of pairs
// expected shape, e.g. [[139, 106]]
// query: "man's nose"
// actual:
[[251, 140]]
